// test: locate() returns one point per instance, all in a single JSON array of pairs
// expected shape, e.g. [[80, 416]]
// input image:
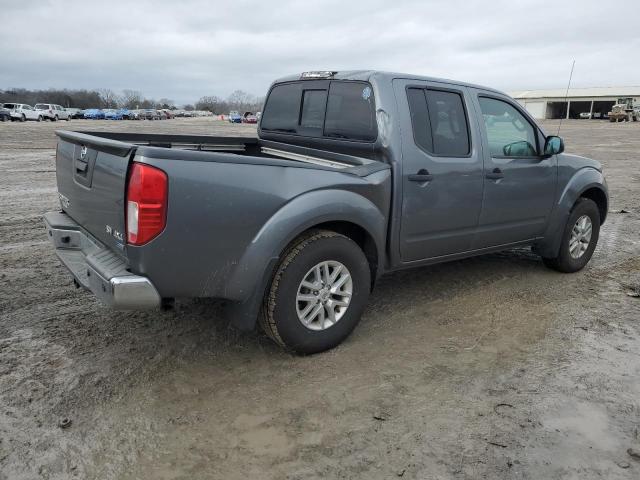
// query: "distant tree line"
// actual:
[[106, 98], [238, 100]]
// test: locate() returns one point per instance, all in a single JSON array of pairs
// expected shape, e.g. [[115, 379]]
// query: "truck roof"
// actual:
[[367, 75]]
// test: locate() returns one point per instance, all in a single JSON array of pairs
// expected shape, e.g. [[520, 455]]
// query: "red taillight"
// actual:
[[146, 203]]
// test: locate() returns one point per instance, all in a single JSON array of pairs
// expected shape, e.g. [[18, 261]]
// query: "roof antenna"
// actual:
[[566, 96]]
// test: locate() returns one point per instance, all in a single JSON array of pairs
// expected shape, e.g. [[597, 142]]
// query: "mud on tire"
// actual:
[[565, 262], [279, 316]]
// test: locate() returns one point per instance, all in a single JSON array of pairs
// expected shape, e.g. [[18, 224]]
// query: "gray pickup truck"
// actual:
[[353, 174]]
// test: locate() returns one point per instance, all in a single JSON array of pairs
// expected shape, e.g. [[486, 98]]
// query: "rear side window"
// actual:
[[351, 112], [439, 122], [336, 109], [420, 118]]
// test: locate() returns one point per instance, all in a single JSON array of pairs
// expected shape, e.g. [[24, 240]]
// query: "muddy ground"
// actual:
[[493, 367]]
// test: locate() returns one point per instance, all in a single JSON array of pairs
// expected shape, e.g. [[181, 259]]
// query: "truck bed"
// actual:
[[238, 146], [230, 199]]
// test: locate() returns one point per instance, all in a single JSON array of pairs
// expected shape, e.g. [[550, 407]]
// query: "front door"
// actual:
[[441, 170], [519, 184]]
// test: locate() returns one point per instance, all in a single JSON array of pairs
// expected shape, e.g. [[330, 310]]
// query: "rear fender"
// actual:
[[583, 180], [253, 273]]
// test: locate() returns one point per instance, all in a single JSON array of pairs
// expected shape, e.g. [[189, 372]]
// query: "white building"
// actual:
[[553, 104]]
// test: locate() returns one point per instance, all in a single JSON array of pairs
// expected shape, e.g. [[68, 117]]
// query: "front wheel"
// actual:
[[317, 294], [23, 118], [39, 118], [579, 238]]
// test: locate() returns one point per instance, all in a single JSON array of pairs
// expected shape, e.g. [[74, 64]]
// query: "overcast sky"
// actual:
[[184, 49]]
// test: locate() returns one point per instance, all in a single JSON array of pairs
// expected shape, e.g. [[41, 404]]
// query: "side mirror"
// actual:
[[553, 146], [519, 149]]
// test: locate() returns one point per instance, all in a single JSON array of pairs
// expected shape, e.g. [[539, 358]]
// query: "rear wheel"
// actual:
[[318, 293], [55, 118], [39, 118], [579, 238], [23, 118]]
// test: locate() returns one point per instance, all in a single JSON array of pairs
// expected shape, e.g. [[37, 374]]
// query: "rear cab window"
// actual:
[[338, 109]]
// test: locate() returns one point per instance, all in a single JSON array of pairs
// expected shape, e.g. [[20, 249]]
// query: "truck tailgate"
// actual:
[[91, 175]]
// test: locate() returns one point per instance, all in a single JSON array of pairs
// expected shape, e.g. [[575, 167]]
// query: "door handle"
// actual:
[[496, 174], [423, 175]]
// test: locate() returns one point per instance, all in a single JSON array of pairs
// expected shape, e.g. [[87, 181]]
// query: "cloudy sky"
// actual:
[[184, 49]]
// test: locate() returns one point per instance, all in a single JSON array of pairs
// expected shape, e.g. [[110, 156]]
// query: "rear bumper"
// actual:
[[97, 268]]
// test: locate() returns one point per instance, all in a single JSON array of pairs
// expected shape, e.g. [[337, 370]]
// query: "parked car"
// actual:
[[135, 115], [112, 114], [168, 113], [369, 173], [150, 114], [235, 117], [75, 112], [125, 113], [94, 114], [22, 112], [52, 111], [5, 114], [585, 115], [249, 117]]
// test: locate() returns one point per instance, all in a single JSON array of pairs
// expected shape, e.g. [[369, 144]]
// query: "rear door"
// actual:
[[91, 173], [441, 169], [519, 184], [30, 113]]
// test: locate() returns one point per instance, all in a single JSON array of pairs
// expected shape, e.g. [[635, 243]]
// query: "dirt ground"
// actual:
[[493, 367]]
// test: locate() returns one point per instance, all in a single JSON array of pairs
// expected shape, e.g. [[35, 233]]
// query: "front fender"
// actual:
[[250, 278], [583, 180]]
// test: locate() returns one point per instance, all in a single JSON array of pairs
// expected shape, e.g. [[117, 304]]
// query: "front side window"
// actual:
[[439, 122], [508, 131]]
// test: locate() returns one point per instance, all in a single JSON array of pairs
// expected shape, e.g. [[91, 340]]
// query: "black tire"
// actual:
[[39, 118], [55, 119], [23, 118], [279, 318], [564, 262]]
